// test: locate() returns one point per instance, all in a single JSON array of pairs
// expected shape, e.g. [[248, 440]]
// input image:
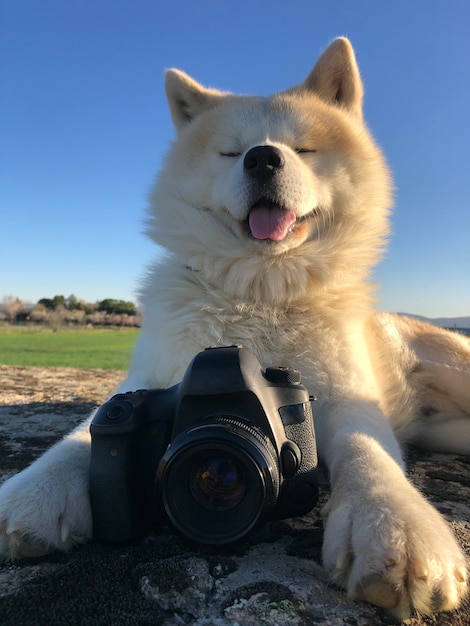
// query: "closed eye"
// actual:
[[230, 154], [304, 150]]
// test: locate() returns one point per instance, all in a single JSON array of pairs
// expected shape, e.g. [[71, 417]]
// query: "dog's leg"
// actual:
[[46, 507], [434, 364], [443, 390], [383, 541]]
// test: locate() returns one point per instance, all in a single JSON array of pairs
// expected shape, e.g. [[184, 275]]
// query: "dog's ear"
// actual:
[[187, 98], [335, 77]]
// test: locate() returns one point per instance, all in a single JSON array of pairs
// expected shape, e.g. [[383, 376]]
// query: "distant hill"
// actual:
[[445, 322]]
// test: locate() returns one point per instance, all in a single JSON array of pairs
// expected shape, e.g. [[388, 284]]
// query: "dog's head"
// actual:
[[279, 191]]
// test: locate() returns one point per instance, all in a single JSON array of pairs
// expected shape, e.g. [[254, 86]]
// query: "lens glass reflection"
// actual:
[[217, 483]]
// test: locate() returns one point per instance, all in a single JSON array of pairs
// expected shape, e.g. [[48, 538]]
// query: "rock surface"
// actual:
[[272, 578]]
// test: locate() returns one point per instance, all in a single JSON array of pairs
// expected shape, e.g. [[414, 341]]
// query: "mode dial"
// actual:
[[283, 375]]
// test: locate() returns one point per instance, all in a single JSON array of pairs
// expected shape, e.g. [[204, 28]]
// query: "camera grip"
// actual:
[[116, 513], [299, 494], [303, 434]]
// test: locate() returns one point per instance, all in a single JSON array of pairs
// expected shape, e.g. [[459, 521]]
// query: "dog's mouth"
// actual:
[[270, 221]]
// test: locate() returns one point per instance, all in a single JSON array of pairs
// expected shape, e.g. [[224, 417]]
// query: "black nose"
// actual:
[[262, 162]]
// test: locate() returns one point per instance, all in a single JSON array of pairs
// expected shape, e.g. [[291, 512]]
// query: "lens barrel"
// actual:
[[218, 480]]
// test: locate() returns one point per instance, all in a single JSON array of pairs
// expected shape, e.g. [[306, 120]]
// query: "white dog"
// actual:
[[273, 212]]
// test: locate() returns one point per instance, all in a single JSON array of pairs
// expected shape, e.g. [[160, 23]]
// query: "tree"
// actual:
[[60, 310], [56, 318], [118, 307], [46, 302], [12, 306], [72, 303], [58, 302]]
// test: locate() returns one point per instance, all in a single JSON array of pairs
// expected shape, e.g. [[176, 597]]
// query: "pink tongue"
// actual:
[[271, 222]]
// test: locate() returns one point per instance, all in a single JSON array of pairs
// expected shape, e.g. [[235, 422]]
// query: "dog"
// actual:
[[273, 210]]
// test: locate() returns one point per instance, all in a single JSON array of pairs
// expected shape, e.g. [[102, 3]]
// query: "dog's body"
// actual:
[[273, 211]]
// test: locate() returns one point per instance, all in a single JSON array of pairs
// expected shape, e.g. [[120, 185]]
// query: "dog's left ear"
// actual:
[[335, 77], [187, 98]]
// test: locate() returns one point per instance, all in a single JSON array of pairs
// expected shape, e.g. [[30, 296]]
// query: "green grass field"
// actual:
[[88, 347]]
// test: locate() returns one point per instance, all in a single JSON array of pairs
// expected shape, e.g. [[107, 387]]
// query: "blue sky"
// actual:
[[84, 126]]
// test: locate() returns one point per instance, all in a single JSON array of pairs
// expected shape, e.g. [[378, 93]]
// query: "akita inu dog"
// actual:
[[273, 211]]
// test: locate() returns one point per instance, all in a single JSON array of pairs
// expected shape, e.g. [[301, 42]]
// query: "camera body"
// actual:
[[225, 450]]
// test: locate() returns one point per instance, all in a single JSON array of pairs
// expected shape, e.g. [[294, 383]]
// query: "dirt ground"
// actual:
[[274, 577]]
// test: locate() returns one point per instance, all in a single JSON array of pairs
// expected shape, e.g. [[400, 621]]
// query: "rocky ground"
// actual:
[[272, 578]]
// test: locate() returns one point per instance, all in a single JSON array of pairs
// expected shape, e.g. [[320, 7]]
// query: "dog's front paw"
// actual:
[[44, 508], [394, 550]]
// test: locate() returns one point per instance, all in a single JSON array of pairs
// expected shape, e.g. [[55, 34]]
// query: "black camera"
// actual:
[[228, 448]]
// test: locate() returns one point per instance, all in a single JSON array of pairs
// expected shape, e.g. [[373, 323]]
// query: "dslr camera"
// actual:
[[216, 455]]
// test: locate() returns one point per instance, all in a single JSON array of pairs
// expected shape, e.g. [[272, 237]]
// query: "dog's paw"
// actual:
[[394, 550], [44, 508]]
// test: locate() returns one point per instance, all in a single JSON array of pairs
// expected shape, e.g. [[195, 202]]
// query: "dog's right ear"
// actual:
[[187, 98]]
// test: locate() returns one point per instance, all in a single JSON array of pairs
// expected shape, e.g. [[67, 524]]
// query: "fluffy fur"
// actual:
[[273, 248]]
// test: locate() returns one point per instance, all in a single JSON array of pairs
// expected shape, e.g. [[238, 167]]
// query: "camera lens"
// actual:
[[218, 479], [218, 483]]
